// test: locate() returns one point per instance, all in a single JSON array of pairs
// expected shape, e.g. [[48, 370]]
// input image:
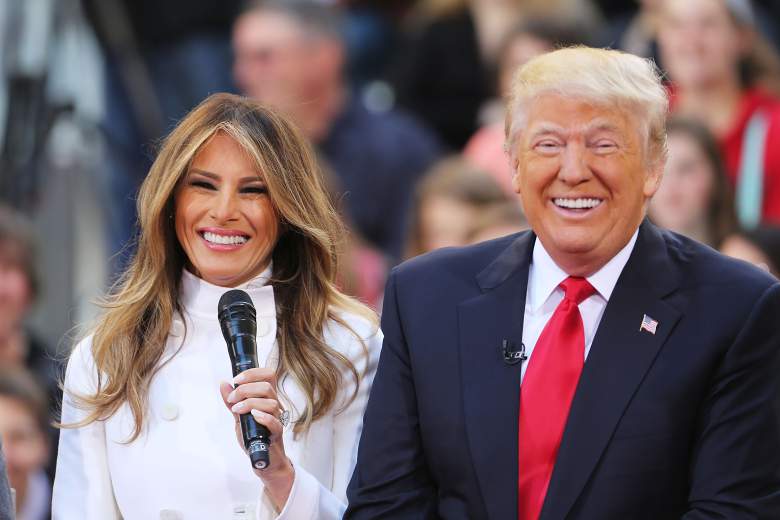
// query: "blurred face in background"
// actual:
[[270, 58], [224, 218], [737, 246], [700, 44], [15, 296], [517, 53], [445, 222], [289, 68], [24, 444], [682, 202]]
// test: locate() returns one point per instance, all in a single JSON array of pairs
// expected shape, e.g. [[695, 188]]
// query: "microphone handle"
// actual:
[[256, 436]]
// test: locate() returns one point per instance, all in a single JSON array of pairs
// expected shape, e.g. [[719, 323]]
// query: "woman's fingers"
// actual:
[[262, 389], [271, 422], [256, 374], [256, 403], [225, 389]]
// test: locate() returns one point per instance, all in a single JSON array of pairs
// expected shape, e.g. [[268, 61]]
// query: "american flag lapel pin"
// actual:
[[648, 324]]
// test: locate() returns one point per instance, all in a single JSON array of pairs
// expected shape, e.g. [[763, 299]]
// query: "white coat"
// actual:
[[187, 463]]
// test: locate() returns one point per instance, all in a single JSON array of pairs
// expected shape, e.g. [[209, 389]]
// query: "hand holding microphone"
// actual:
[[254, 401]]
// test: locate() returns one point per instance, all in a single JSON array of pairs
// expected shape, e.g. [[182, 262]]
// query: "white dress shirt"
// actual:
[[187, 463], [544, 295]]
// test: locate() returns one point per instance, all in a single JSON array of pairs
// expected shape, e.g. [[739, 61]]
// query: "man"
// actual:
[[6, 504], [290, 54], [648, 362]]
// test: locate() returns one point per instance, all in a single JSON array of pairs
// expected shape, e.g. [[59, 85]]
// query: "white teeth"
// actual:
[[577, 203], [224, 239]]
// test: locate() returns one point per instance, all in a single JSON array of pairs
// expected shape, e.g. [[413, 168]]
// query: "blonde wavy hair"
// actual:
[[130, 336]]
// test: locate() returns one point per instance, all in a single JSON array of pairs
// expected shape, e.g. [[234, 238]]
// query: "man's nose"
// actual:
[[574, 167]]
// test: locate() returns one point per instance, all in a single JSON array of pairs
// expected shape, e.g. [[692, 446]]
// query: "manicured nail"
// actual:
[[238, 408], [232, 397], [239, 379], [257, 414]]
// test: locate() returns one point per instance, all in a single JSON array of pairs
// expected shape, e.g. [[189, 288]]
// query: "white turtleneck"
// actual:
[[187, 463]]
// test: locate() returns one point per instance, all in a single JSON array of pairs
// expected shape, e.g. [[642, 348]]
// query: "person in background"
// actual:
[[497, 221], [710, 50], [695, 198], [289, 54], [24, 429], [446, 203], [531, 37], [6, 502], [19, 288], [759, 246], [162, 57], [445, 69], [150, 414]]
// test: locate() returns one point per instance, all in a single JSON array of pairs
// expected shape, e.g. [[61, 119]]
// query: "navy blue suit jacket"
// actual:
[[677, 424]]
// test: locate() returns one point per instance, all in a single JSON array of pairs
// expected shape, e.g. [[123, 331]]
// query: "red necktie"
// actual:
[[546, 393]]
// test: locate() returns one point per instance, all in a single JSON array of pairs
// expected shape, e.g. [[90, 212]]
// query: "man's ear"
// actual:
[[515, 163], [653, 177]]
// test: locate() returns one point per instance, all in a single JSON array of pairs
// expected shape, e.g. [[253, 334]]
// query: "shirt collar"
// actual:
[[201, 298], [545, 275]]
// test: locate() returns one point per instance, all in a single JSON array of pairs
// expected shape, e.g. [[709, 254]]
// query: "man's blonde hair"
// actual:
[[601, 76]]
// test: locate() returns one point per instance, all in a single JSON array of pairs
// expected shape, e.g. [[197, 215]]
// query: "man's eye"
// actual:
[[603, 146], [547, 146]]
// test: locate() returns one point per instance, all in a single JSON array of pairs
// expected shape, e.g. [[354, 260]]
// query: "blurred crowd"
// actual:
[[404, 102]]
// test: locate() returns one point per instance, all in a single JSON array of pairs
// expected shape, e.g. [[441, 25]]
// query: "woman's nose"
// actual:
[[225, 207]]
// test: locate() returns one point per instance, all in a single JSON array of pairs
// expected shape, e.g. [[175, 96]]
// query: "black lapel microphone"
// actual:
[[511, 355], [238, 321]]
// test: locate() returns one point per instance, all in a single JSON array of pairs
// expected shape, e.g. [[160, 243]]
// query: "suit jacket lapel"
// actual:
[[620, 356], [491, 388]]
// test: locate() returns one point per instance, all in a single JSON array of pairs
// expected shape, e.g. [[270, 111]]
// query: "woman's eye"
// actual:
[[202, 184], [255, 189]]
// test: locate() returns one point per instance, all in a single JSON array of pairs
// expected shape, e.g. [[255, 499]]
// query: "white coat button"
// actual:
[[170, 514], [243, 512], [263, 327], [177, 328], [169, 412]]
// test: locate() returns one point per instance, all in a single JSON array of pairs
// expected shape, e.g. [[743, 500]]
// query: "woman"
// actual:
[[721, 73], [694, 198], [24, 430], [234, 199]]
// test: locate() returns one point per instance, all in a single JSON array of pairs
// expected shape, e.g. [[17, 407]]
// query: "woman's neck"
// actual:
[[715, 105]]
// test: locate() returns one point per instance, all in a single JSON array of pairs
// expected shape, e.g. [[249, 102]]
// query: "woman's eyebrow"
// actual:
[[214, 176]]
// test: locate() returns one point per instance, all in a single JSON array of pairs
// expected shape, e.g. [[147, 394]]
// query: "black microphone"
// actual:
[[238, 321], [511, 355]]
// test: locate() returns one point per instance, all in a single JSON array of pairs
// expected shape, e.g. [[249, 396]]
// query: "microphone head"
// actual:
[[235, 303]]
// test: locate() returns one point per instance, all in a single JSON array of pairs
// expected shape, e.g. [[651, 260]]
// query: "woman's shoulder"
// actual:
[[81, 369], [350, 332]]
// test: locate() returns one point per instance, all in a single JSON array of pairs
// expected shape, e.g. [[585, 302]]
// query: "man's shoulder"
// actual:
[[462, 263], [702, 267]]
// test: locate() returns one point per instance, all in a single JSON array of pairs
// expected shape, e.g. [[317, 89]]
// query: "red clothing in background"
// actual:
[[731, 146]]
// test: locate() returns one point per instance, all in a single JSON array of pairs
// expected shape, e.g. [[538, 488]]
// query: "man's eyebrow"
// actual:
[[598, 126], [545, 128]]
